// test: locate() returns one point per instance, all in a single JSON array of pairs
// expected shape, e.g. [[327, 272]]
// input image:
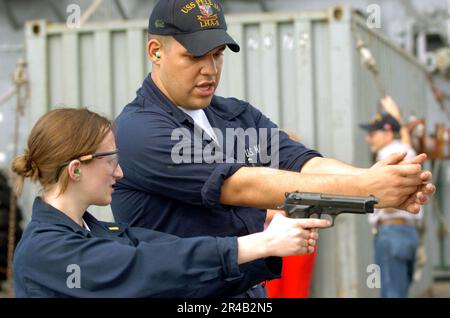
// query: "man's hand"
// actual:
[[407, 175], [420, 197]]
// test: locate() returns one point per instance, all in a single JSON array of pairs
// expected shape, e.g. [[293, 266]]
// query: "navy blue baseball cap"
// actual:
[[382, 121], [198, 25]]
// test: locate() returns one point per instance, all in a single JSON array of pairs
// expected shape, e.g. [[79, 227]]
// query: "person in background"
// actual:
[[396, 235], [67, 252]]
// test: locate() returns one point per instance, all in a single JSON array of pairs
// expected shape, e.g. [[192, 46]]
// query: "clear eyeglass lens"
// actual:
[[115, 161]]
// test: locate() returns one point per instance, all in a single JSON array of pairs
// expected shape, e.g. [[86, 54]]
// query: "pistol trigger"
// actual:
[[332, 219]]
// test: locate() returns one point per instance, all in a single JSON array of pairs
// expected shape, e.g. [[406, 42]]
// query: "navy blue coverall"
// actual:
[[184, 198], [114, 260]]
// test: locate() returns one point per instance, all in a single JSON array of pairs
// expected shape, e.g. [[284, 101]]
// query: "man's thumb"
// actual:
[[395, 158], [419, 159]]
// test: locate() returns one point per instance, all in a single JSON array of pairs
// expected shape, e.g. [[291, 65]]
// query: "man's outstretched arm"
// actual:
[[332, 166], [319, 165], [395, 185]]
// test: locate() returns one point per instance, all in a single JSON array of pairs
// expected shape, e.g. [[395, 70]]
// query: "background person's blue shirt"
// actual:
[[184, 198]]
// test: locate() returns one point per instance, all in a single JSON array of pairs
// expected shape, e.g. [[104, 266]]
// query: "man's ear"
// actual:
[[74, 170], [154, 47]]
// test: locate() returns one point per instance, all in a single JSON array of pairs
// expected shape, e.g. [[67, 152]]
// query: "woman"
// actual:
[[65, 251]]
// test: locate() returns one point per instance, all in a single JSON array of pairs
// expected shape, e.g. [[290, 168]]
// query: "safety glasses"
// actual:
[[97, 155]]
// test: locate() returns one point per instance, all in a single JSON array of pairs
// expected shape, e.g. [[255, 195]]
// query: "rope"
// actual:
[[438, 96], [22, 94], [9, 93], [90, 11], [368, 60]]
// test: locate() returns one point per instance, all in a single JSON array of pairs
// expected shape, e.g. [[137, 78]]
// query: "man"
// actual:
[[396, 235], [172, 187]]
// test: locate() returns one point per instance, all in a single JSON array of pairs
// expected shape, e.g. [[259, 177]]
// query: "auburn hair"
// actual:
[[59, 135]]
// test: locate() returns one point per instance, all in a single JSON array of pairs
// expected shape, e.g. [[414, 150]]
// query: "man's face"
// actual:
[[378, 139], [189, 81]]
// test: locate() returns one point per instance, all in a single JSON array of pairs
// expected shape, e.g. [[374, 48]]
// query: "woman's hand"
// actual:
[[283, 237]]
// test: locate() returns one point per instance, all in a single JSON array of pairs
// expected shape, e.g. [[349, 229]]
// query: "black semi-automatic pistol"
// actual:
[[313, 205]]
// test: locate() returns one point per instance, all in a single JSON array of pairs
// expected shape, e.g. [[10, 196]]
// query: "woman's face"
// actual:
[[100, 174]]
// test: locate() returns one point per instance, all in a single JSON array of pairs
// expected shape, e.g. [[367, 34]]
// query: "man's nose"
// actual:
[[209, 66]]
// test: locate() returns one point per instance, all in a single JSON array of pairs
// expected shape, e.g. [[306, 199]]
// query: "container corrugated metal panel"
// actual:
[[100, 67], [443, 254], [300, 69]]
